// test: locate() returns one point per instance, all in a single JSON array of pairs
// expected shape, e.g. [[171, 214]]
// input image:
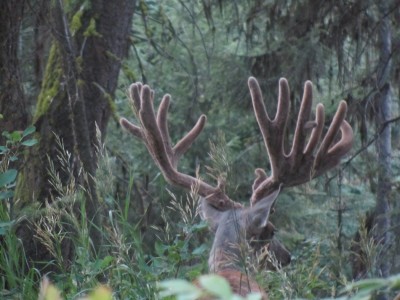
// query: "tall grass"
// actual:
[[132, 267]]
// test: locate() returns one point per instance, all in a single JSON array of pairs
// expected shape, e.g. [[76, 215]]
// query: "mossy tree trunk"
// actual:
[[12, 100], [76, 96]]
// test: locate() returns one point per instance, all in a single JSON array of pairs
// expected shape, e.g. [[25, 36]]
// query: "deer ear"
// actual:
[[259, 212], [210, 214]]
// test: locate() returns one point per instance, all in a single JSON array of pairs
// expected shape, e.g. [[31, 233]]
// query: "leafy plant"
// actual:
[[208, 285], [366, 289], [9, 154]]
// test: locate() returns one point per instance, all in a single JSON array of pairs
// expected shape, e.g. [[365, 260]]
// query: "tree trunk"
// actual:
[[382, 209], [12, 101], [41, 45], [78, 88]]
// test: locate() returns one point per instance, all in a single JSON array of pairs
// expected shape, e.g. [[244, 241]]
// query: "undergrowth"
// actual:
[[133, 270]]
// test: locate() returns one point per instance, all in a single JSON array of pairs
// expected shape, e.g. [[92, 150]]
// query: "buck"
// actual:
[[243, 232]]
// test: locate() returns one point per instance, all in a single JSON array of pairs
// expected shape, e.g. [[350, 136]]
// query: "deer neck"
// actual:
[[229, 249]]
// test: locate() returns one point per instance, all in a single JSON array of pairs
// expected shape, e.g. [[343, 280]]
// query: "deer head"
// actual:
[[244, 232], [239, 228]]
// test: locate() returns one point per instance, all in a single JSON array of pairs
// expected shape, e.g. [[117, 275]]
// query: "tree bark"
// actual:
[[76, 96], [382, 209], [12, 100]]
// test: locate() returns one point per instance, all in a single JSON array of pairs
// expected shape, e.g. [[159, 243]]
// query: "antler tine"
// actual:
[[300, 133], [317, 130], [154, 133], [271, 130], [134, 96], [305, 161], [183, 144], [329, 156]]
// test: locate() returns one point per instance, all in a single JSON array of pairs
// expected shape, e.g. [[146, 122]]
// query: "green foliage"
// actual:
[[91, 29], [18, 281], [368, 288], [208, 285], [130, 269], [15, 143], [202, 53]]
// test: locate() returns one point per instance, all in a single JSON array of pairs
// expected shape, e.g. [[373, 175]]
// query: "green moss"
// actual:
[[113, 56], [80, 83], [143, 7], [128, 72], [113, 107], [91, 29], [76, 22], [79, 64], [51, 83]]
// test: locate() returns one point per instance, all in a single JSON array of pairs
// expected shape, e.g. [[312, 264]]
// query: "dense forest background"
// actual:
[[82, 201]]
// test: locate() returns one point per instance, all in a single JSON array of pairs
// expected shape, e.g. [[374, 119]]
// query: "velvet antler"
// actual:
[[308, 158], [304, 161], [154, 133]]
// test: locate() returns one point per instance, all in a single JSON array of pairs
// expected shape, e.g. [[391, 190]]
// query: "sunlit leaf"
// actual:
[[180, 288], [101, 293], [216, 285]]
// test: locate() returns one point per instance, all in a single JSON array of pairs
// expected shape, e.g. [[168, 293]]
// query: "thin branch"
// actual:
[[371, 141]]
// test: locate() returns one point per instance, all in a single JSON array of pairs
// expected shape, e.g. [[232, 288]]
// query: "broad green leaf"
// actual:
[[216, 285], [29, 142], [6, 195], [200, 250], [8, 177], [178, 287], [28, 131], [16, 136], [3, 149]]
